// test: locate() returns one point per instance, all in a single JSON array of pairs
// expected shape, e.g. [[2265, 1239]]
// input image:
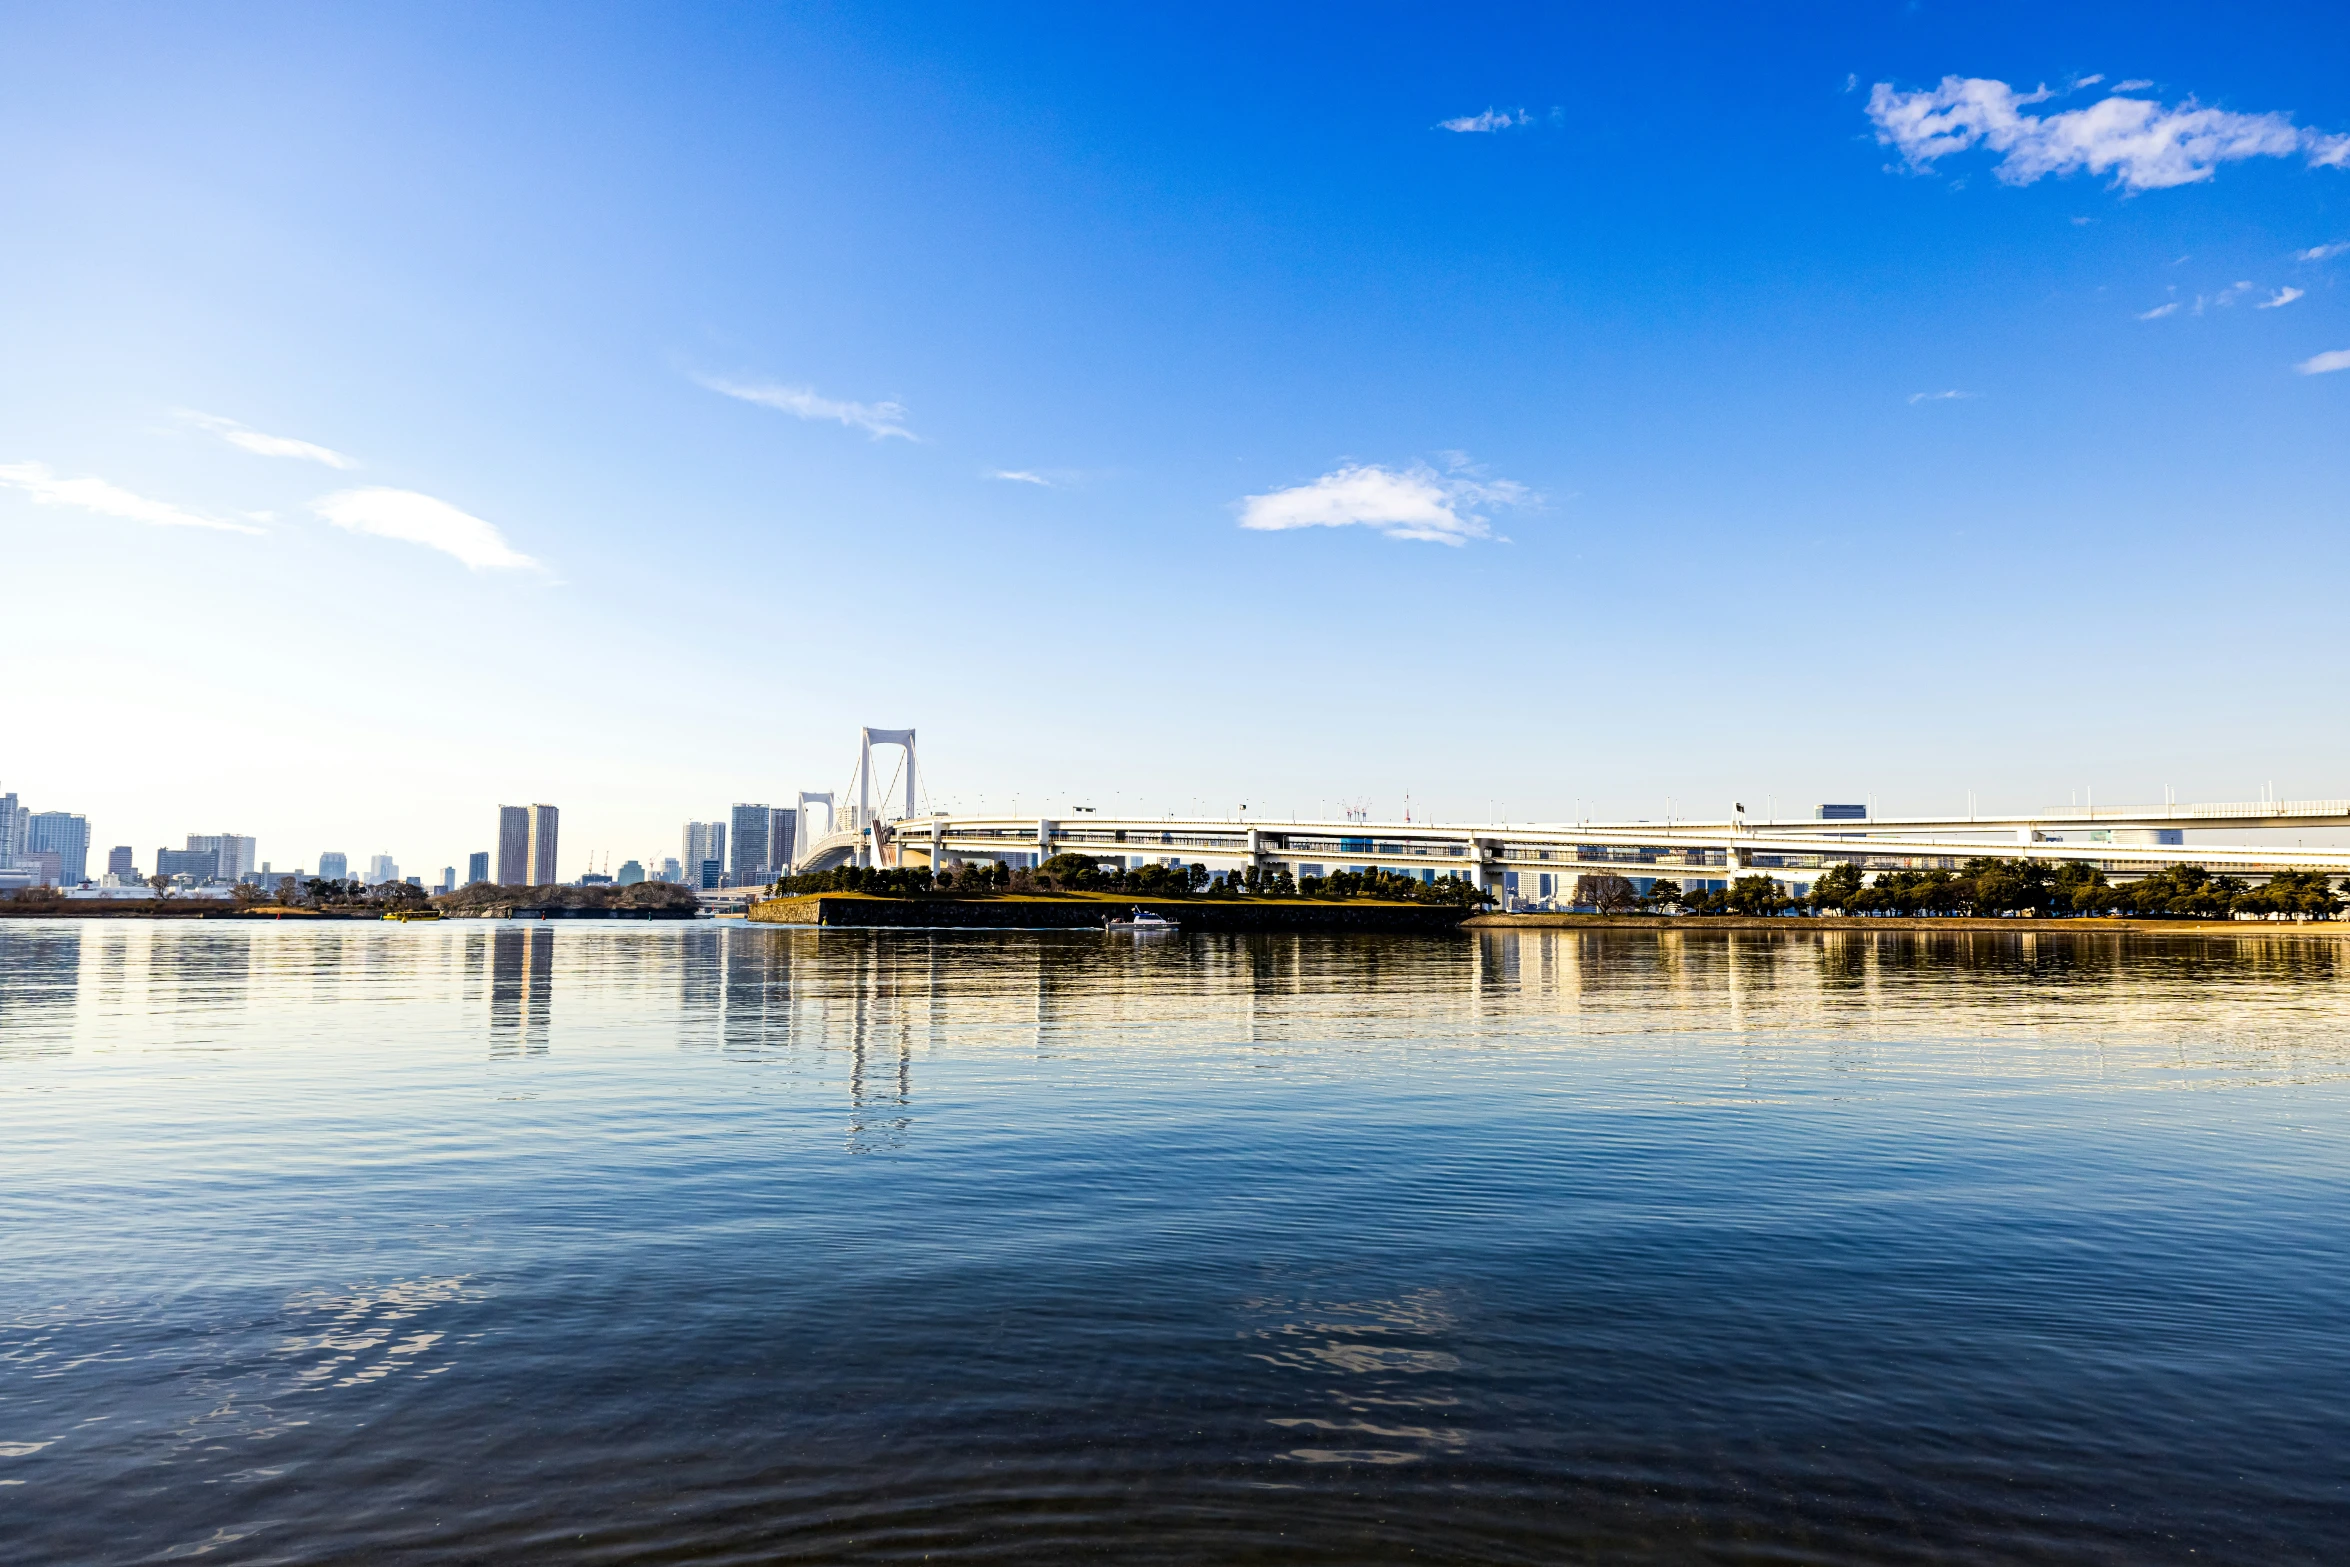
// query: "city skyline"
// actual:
[[1375, 373]]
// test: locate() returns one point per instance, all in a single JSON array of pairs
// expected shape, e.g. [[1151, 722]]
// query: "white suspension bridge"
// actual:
[[1538, 865]]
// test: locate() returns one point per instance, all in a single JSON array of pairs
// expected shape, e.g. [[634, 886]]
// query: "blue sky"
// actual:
[[661, 370]]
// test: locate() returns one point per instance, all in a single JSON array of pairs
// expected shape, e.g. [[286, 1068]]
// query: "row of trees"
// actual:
[[1986, 885], [1082, 873], [602, 895]]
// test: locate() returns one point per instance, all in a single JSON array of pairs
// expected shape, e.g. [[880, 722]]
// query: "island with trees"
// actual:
[[1074, 890]]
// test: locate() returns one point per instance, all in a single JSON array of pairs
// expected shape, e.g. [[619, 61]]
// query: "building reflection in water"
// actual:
[[40, 987], [851, 1013], [522, 990], [790, 998]]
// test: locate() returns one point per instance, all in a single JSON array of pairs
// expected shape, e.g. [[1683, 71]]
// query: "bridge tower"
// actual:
[[904, 740], [806, 835]]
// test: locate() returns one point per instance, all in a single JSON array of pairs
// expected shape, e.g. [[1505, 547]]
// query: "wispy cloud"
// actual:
[[422, 519], [2159, 311], [879, 420], [1020, 476], [1406, 503], [106, 500], [2143, 144], [1490, 120], [2283, 296], [2326, 363], [2322, 252], [1951, 396], [265, 445]]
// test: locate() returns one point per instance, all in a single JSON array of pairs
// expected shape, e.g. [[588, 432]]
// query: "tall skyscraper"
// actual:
[[704, 842], [783, 833], [65, 835], [631, 873], [380, 869], [749, 863], [118, 861], [542, 845], [513, 845], [334, 866], [12, 820], [477, 867], [448, 878]]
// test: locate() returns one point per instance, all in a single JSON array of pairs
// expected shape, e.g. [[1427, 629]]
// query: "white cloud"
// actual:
[[1490, 120], [1951, 396], [421, 519], [106, 500], [2322, 364], [2143, 144], [2322, 252], [265, 445], [2232, 293], [1020, 476], [2283, 296], [879, 420], [2158, 312], [1409, 503]]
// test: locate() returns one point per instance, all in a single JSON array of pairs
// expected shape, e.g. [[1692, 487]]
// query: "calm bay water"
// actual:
[[661, 1243]]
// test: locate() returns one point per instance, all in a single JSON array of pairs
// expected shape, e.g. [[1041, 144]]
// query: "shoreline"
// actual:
[[1088, 910], [2087, 925]]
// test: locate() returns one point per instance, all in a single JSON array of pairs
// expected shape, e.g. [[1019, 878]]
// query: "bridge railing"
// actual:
[[2274, 808]]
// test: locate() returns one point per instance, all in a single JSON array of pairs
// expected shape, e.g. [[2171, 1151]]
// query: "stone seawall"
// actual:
[[1082, 913]]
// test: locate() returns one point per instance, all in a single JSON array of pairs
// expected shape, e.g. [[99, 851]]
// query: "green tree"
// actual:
[[1664, 893], [1838, 888], [1757, 895], [1073, 870], [2080, 888]]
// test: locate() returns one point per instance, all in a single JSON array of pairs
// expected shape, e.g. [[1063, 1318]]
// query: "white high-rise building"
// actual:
[[333, 865], [705, 853], [234, 854], [542, 845], [380, 869]]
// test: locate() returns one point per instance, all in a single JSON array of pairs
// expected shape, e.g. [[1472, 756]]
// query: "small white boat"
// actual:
[[1140, 920]]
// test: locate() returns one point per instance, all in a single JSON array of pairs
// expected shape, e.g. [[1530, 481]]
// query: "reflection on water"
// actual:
[[522, 989], [592, 1242]]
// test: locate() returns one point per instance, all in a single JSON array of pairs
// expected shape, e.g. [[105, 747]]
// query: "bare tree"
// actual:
[[1606, 892]]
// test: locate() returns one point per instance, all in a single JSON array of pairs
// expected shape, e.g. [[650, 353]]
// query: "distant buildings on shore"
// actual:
[[751, 846]]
